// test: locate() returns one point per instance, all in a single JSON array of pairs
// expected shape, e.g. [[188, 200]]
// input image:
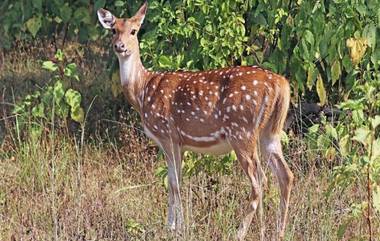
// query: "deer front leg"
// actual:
[[174, 161], [247, 156]]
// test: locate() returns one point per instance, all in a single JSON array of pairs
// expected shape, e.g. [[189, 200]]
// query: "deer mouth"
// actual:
[[123, 53]]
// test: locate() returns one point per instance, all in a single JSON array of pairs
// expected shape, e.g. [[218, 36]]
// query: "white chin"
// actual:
[[123, 54]]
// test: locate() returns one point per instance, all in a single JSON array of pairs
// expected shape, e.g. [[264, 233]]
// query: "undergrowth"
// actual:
[[104, 180]]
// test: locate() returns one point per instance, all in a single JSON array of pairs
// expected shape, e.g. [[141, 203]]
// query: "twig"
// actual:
[[369, 200], [121, 123], [4, 119], [6, 103], [66, 28], [369, 188], [134, 187]]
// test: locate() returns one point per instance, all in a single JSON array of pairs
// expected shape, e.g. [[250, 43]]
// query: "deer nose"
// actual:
[[119, 46]]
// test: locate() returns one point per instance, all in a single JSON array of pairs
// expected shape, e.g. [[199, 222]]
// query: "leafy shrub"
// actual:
[[57, 20], [316, 44], [355, 140], [54, 102]]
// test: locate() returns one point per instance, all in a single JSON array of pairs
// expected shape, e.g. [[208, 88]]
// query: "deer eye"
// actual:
[[133, 32], [113, 31]]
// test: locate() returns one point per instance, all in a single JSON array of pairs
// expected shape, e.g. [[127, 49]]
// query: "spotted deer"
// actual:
[[217, 111]]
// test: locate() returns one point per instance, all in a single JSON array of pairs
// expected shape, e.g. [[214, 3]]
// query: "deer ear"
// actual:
[[140, 14], [106, 18]]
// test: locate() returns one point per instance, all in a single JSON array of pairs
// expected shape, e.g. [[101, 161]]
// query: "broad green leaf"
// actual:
[[77, 114], [93, 33], [361, 9], [375, 149], [323, 142], [344, 145], [358, 117], [162, 173], [369, 33], [58, 92], [134, 227], [376, 198], [49, 65], [309, 37], [305, 50], [99, 4], [375, 121], [59, 55], [208, 28], [375, 57], [331, 131], [63, 110], [119, 3], [73, 98], [203, 42], [232, 155], [19, 109], [82, 15], [346, 63], [284, 138], [47, 96], [311, 76], [357, 209], [33, 25], [352, 104], [65, 13], [335, 71], [71, 71], [321, 90], [39, 110], [361, 135], [83, 33], [37, 4], [164, 61], [314, 129], [260, 19], [58, 19]]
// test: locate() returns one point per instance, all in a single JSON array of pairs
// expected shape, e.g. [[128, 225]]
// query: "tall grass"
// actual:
[[102, 195]]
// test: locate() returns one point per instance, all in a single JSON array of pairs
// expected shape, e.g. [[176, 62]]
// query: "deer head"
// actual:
[[124, 41]]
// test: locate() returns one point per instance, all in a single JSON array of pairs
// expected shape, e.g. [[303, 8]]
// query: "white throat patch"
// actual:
[[127, 70]]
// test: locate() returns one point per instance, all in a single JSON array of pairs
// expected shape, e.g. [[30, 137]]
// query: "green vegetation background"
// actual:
[[63, 115]]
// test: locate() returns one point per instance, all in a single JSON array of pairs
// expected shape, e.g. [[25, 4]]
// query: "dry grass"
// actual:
[[55, 188]]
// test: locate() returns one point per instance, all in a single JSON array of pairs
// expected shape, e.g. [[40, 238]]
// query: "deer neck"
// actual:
[[133, 76]]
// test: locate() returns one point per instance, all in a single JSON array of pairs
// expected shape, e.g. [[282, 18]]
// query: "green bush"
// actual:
[[355, 141], [55, 102], [318, 45]]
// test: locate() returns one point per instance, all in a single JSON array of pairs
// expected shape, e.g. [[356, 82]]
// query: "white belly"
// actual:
[[220, 148]]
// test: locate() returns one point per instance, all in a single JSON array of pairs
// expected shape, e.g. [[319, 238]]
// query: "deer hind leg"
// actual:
[[272, 151], [174, 160], [249, 161]]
